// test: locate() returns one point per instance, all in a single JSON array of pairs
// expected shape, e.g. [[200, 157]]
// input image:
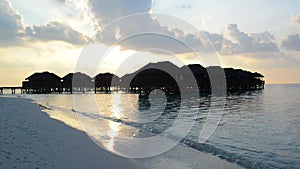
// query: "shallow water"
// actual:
[[258, 129]]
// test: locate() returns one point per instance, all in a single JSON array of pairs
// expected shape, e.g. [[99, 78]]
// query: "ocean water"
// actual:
[[258, 129]]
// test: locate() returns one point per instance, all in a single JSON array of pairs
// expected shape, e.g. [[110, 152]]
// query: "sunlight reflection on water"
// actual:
[[259, 126]]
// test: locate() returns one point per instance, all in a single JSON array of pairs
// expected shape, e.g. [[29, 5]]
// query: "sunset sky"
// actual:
[[50, 35]]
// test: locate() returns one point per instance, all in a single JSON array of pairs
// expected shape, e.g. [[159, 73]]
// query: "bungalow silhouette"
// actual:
[[162, 75], [241, 80], [150, 79], [78, 82], [44, 82], [199, 74], [153, 76], [104, 82]]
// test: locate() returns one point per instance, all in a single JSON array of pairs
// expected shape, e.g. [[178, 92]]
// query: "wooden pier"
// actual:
[[13, 89]]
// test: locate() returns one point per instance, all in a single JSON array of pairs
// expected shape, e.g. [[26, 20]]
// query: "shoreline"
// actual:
[[32, 139]]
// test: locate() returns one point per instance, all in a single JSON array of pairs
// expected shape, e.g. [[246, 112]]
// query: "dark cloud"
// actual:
[[232, 42], [212, 40], [12, 27], [154, 34], [56, 31], [106, 11], [143, 32], [292, 42], [14, 32]]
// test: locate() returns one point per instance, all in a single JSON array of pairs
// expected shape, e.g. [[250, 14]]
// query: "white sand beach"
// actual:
[[29, 138]]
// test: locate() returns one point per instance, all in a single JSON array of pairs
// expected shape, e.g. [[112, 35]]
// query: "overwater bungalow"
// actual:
[[162, 75], [200, 75], [150, 79], [241, 80], [44, 82], [153, 76], [77, 82], [104, 82]]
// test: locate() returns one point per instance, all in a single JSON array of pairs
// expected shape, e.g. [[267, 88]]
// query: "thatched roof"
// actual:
[[77, 75], [77, 79], [106, 79], [230, 72], [105, 76], [196, 69], [43, 76]]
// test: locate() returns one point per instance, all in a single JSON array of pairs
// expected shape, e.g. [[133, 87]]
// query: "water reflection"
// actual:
[[114, 127], [260, 127], [112, 133]]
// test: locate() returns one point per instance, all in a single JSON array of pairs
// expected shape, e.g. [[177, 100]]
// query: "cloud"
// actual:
[[143, 32], [75, 13], [14, 32], [140, 32], [237, 42], [156, 35], [212, 40], [296, 20], [56, 31], [106, 11], [62, 1], [232, 42], [12, 26], [151, 34], [291, 42]]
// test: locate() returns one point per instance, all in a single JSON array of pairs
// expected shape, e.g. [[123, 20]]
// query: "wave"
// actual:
[[238, 159], [144, 127], [45, 107]]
